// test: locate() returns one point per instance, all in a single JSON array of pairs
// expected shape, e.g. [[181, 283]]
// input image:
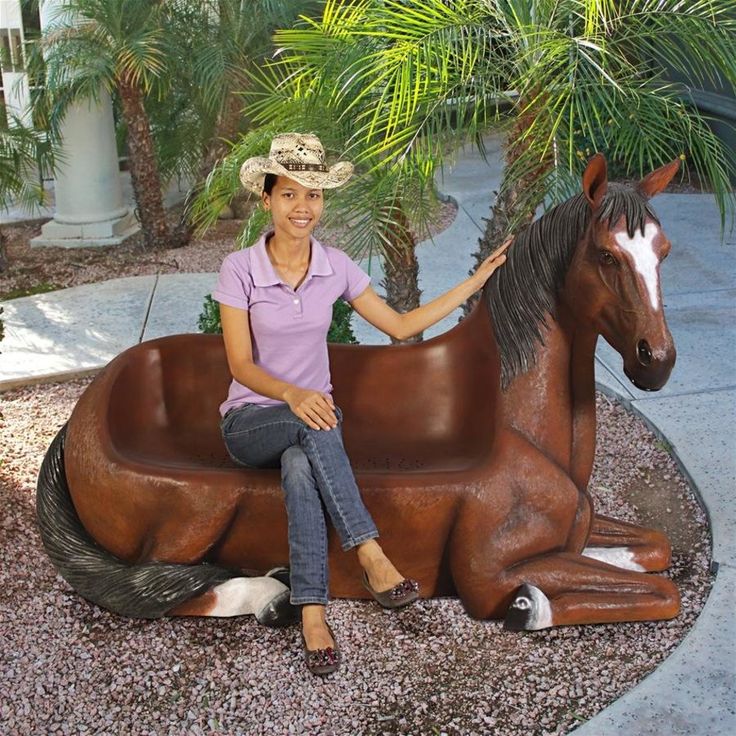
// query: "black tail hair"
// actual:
[[148, 590]]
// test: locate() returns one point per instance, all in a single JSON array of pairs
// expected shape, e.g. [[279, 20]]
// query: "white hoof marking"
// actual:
[[621, 557], [541, 610], [241, 596]]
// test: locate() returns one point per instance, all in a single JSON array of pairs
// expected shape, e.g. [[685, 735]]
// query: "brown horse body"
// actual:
[[475, 474]]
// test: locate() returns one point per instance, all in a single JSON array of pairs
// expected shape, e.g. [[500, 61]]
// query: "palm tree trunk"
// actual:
[[144, 168], [504, 209], [226, 130], [228, 125], [401, 269], [3, 253]]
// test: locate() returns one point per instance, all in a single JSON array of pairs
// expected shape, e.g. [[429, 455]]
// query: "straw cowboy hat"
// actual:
[[298, 156]]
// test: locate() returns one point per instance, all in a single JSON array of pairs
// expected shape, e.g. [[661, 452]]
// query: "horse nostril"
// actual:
[[644, 352]]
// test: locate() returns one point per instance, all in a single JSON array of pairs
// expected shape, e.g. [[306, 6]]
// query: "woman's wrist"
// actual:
[[287, 393]]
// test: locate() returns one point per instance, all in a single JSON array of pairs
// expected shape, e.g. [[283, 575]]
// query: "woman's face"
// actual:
[[295, 209]]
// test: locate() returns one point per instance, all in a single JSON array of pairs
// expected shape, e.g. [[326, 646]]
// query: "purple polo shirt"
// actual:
[[288, 328]]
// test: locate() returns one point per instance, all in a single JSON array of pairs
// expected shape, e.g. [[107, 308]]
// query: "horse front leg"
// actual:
[[563, 589], [527, 508], [629, 546]]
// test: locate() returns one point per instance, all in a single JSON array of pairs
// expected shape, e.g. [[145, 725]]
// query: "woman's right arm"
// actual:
[[314, 408]]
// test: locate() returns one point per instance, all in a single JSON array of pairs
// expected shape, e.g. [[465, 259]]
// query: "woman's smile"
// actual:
[[295, 209]]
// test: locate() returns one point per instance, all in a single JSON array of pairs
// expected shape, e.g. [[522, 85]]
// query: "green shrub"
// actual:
[[340, 328], [209, 318]]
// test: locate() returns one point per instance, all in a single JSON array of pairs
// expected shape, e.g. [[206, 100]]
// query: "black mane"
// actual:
[[526, 287]]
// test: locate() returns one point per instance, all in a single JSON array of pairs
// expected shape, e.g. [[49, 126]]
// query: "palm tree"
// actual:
[[236, 41], [562, 78], [120, 47], [21, 151], [219, 43]]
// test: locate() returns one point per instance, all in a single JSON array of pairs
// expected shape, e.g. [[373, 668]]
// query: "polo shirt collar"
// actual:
[[264, 274]]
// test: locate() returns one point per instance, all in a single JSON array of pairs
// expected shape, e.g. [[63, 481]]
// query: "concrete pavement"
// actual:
[[693, 692]]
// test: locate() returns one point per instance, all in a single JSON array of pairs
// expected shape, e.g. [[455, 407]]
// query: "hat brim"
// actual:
[[254, 170]]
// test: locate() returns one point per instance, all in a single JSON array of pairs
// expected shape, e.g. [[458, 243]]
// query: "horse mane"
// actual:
[[527, 287]]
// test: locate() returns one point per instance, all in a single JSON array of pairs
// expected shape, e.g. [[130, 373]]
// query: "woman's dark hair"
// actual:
[[269, 182]]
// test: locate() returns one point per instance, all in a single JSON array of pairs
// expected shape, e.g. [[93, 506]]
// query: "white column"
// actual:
[[17, 97], [90, 209]]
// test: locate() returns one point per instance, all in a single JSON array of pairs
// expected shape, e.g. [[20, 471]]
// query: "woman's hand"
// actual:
[[494, 261], [316, 410]]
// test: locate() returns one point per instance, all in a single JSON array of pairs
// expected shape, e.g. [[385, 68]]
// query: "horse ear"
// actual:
[[655, 182], [595, 180]]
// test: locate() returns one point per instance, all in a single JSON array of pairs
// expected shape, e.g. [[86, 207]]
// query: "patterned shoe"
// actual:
[[406, 592], [322, 661]]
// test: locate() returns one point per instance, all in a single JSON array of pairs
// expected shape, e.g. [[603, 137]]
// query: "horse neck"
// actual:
[[553, 404]]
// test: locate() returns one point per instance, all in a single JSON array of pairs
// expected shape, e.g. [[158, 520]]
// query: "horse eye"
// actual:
[[606, 258]]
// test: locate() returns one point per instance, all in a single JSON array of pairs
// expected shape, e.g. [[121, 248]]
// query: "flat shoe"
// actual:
[[322, 661], [406, 592]]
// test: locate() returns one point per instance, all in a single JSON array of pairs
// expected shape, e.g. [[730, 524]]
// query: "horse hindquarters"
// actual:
[[149, 590]]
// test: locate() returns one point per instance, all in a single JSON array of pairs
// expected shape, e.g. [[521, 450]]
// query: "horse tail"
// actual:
[[148, 590]]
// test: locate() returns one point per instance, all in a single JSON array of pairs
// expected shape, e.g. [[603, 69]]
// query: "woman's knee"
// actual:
[[326, 438]]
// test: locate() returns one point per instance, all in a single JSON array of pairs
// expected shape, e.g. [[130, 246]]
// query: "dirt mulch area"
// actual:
[[35, 270]]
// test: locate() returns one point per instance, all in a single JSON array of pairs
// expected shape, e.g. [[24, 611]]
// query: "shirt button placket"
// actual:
[[297, 300]]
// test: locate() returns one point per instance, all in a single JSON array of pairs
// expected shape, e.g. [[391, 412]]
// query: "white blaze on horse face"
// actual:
[[641, 249]]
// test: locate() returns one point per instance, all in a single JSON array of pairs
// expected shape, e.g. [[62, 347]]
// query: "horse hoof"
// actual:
[[530, 610], [278, 612]]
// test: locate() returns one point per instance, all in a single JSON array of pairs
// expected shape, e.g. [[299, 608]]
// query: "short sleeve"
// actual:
[[357, 280], [233, 283]]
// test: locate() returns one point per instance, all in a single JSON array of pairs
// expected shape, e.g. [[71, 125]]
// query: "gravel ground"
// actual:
[[69, 667]]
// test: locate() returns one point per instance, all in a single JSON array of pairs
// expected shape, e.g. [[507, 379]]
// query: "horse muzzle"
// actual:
[[649, 368]]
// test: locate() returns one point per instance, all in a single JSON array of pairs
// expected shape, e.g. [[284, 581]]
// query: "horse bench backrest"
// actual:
[[166, 395]]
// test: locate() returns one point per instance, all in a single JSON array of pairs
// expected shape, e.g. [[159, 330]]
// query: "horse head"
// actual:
[[613, 280]]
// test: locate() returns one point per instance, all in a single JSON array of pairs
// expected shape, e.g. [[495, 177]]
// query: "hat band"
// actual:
[[304, 167]]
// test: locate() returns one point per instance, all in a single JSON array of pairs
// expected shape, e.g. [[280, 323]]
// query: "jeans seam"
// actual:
[[305, 600], [359, 540], [329, 486], [237, 461], [297, 422], [320, 540]]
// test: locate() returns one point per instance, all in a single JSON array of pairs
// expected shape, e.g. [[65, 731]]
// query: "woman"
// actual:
[[276, 307]]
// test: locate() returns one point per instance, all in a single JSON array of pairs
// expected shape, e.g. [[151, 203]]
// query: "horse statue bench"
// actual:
[[473, 450]]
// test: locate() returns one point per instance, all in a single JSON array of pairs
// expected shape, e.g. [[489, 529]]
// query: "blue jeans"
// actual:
[[315, 476]]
